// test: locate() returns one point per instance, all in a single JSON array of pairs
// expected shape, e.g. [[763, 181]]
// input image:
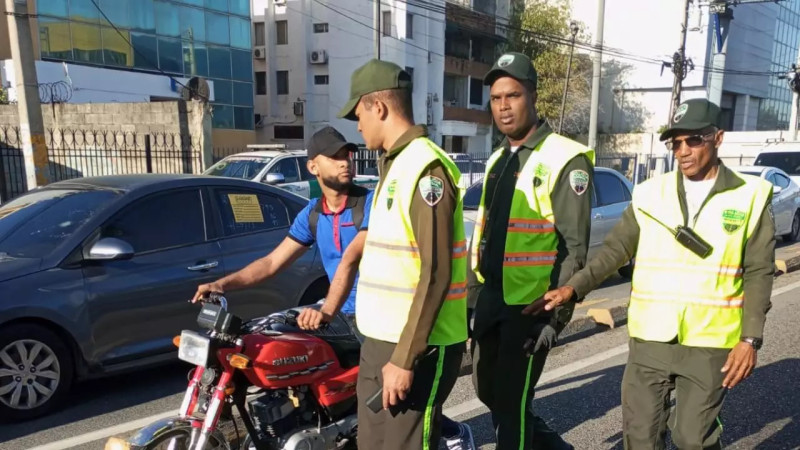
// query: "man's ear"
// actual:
[[381, 109], [718, 138], [311, 165]]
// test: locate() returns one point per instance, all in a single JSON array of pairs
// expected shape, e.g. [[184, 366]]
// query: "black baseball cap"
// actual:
[[328, 142], [513, 64], [692, 115]]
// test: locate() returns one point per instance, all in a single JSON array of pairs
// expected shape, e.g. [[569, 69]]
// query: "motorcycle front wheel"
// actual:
[[181, 440]]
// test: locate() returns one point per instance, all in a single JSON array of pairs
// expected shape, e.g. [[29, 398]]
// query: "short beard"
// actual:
[[333, 183]]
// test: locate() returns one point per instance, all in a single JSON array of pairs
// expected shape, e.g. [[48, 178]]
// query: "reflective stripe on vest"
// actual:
[[674, 292], [390, 267], [531, 240]]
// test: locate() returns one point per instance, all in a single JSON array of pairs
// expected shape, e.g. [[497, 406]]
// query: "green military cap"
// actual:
[[374, 76], [513, 64], [692, 115]]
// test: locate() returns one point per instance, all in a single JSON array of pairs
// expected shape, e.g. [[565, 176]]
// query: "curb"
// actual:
[[787, 265]]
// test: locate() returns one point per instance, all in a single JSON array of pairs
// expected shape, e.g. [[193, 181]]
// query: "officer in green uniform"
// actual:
[[532, 233], [699, 294]]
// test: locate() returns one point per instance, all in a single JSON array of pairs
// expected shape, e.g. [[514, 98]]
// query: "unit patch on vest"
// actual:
[[732, 220], [431, 188], [541, 170], [390, 193], [579, 181]]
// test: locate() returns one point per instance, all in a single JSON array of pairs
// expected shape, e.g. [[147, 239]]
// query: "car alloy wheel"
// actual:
[[29, 374]]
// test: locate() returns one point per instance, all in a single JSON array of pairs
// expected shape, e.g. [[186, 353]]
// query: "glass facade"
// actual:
[[207, 38], [775, 111]]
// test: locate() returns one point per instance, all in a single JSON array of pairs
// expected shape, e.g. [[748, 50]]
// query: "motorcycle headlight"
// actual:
[[195, 348]]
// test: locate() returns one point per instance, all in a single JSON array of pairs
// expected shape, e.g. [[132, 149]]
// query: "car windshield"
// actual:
[[789, 162], [238, 167], [34, 224]]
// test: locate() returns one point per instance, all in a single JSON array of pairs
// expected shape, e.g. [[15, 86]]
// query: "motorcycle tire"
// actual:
[[181, 439]]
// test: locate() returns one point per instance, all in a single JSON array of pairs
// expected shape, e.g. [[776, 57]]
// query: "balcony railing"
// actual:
[[467, 115]]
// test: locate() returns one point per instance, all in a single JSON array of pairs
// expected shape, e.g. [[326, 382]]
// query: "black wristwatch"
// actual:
[[755, 342]]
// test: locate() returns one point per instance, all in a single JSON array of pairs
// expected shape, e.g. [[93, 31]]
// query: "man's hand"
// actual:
[[311, 319], [741, 361], [550, 300], [543, 336], [204, 289], [396, 384]]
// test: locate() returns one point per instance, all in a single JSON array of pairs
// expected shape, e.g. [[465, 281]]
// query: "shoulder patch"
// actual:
[[579, 181], [431, 188]]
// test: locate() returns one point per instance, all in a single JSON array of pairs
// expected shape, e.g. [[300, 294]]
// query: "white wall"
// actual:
[[101, 85]]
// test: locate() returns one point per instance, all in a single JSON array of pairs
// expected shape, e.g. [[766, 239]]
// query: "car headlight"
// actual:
[[195, 348]]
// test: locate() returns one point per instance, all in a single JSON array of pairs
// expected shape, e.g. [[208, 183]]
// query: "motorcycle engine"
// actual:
[[276, 413]]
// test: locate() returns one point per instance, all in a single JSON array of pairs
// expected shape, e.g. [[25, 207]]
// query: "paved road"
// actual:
[[579, 393]]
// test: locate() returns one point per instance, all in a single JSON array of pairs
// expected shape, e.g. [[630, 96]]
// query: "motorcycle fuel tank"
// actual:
[[288, 359]]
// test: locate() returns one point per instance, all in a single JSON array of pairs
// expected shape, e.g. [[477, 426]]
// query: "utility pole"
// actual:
[[679, 64], [722, 15], [573, 28], [596, 71], [794, 84], [376, 26], [31, 125]]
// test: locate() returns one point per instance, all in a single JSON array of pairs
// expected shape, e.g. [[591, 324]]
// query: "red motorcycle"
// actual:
[[292, 389]]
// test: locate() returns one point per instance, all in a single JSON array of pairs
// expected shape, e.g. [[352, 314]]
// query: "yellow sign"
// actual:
[[246, 208]]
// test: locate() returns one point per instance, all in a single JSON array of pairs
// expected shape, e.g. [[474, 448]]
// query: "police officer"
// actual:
[[532, 232], [703, 238], [411, 298], [329, 220]]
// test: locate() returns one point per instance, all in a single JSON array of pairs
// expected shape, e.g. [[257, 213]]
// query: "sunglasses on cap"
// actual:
[[695, 140]]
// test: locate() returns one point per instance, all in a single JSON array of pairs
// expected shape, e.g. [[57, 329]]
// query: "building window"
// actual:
[[282, 28], [320, 79], [409, 26], [259, 31], [320, 28], [386, 26], [475, 91], [261, 83], [283, 82], [288, 132]]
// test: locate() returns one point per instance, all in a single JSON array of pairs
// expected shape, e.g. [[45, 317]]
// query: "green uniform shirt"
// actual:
[[758, 262]]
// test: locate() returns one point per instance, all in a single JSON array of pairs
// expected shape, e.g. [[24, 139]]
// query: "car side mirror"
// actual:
[[274, 178], [776, 189], [110, 249]]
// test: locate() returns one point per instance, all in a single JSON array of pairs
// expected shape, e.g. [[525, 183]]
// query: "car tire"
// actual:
[[316, 292], [794, 235], [20, 382], [626, 271]]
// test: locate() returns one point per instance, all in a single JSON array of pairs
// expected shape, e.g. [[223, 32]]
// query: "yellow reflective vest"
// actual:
[[390, 266], [675, 293], [531, 240]]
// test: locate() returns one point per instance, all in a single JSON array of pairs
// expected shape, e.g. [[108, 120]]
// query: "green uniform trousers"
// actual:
[[653, 372]]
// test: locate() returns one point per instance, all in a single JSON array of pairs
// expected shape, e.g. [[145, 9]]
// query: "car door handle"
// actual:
[[206, 266], [597, 216]]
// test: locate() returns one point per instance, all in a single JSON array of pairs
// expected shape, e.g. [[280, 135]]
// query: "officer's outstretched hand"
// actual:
[[740, 364], [312, 319], [550, 300]]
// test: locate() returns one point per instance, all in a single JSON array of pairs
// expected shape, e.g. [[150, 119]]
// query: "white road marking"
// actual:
[[453, 411]]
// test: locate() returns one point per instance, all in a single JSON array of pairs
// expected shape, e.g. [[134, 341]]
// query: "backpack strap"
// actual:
[[356, 201]]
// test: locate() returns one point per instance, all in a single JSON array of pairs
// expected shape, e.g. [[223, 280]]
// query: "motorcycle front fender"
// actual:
[[148, 434]]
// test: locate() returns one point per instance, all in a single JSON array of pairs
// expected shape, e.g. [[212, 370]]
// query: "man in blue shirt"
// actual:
[[330, 220]]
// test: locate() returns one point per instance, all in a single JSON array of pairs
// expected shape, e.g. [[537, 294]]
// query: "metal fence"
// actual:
[[86, 153]]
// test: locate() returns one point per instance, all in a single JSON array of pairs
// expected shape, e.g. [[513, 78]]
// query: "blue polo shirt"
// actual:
[[335, 231]]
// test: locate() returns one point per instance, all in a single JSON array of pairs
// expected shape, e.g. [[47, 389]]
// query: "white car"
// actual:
[[785, 199], [784, 156], [282, 168]]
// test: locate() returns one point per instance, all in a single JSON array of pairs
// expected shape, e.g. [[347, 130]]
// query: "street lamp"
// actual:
[[573, 29]]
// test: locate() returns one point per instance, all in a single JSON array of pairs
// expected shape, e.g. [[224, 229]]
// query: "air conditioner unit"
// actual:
[[279, 2], [298, 108], [259, 53], [318, 57]]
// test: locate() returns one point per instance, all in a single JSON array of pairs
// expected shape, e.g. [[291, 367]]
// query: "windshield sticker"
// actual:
[[246, 208]]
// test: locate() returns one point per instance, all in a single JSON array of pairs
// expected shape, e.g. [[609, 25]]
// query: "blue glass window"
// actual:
[[219, 5], [143, 16], [242, 65], [219, 62], [240, 32], [243, 118], [167, 23], [118, 12], [116, 50], [193, 24], [200, 54], [84, 11], [86, 43], [54, 39], [51, 8], [170, 55], [146, 54], [243, 94], [217, 29], [222, 116], [223, 91], [241, 7]]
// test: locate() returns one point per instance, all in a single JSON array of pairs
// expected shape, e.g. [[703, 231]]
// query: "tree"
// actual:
[[3, 96], [540, 29]]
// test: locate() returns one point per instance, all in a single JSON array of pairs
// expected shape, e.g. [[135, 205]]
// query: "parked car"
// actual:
[[784, 156], [611, 195], [96, 273], [283, 168], [785, 199]]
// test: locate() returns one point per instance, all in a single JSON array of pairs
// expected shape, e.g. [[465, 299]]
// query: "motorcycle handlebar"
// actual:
[[215, 298]]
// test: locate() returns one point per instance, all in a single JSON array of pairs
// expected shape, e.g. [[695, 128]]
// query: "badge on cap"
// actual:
[[680, 112], [432, 189], [505, 60], [579, 181]]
